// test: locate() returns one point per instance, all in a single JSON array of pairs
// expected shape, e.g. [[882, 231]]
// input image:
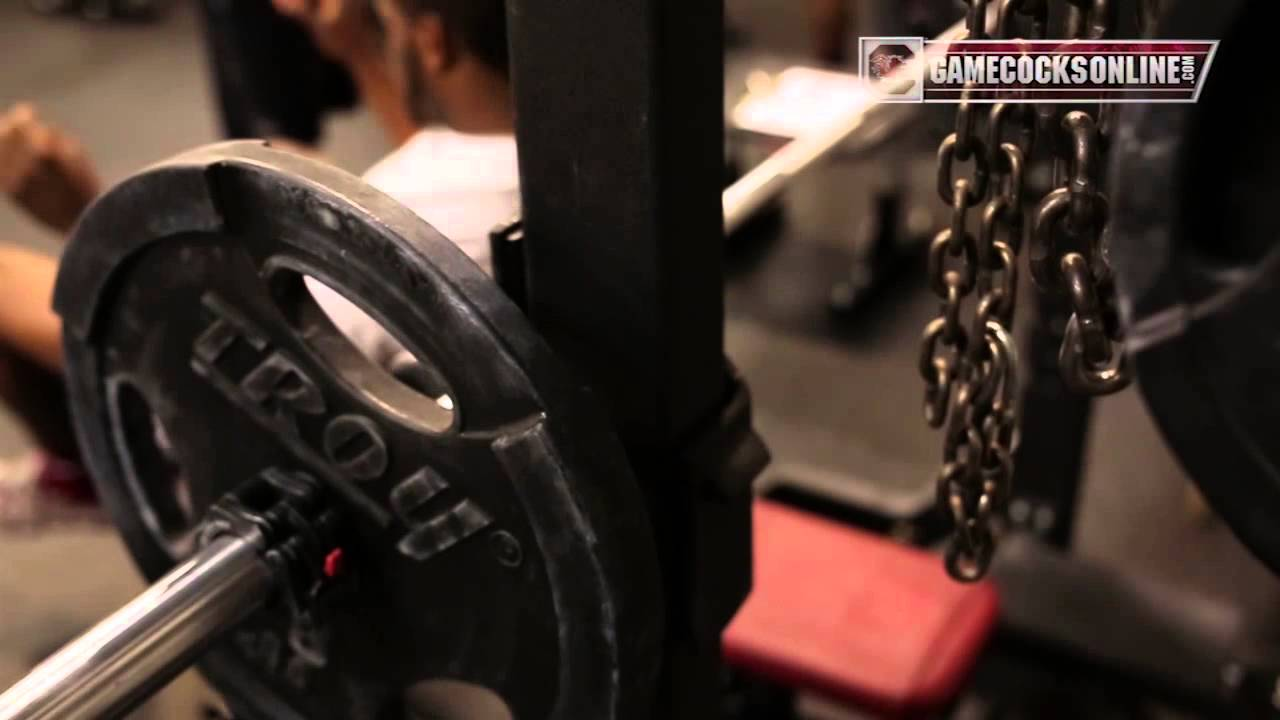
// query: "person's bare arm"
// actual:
[[346, 31], [28, 324], [43, 170]]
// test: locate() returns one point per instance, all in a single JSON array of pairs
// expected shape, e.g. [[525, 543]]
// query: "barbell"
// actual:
[[326, 538]]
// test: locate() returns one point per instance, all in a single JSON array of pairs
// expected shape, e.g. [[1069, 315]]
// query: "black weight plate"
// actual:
[[1194, 248], [501, 545]]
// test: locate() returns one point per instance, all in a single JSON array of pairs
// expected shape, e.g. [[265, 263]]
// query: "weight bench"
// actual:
[[856, 618]]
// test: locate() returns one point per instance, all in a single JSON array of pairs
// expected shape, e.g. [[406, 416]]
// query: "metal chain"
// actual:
[[971, 373], [1069, 238], [970, 368]]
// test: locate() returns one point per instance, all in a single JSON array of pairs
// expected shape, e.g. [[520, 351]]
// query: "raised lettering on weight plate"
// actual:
[[279, 385], [276, 384], [222, 333], [354, 445], [274, 391], [432, 530]]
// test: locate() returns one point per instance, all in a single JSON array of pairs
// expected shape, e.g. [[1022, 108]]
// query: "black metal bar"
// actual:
[[620, 129], [506, 251], [1055, 429]]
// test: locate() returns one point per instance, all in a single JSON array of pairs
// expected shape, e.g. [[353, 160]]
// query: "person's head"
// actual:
[[451, 55]]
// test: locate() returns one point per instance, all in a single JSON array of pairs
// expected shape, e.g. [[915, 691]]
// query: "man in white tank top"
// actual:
[[447, 58]]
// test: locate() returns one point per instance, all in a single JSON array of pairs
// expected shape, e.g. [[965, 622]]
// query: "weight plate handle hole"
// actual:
[[364, 352]]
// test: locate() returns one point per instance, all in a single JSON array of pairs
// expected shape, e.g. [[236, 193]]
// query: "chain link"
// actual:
[[1068, 254], [971, 373]]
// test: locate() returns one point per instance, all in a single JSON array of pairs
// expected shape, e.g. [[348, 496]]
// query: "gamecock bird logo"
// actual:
[[884, 60]]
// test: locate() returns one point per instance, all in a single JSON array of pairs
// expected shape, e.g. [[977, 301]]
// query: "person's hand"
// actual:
[[342, 29], [45, 171]]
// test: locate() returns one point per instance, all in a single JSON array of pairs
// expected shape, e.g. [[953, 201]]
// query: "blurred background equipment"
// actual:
[[101, 10], [1195, 258], [269, 77]]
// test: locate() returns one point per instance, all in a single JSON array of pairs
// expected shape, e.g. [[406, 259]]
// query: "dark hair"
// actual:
[[481, 25]]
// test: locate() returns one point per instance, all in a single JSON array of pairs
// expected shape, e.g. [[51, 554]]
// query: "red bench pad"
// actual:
[[855, 617]]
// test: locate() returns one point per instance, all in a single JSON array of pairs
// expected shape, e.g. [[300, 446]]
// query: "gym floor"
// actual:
[[835, 411]]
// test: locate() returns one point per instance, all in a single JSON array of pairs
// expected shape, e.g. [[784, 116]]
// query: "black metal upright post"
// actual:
[[1055, 432], [620, 130]]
